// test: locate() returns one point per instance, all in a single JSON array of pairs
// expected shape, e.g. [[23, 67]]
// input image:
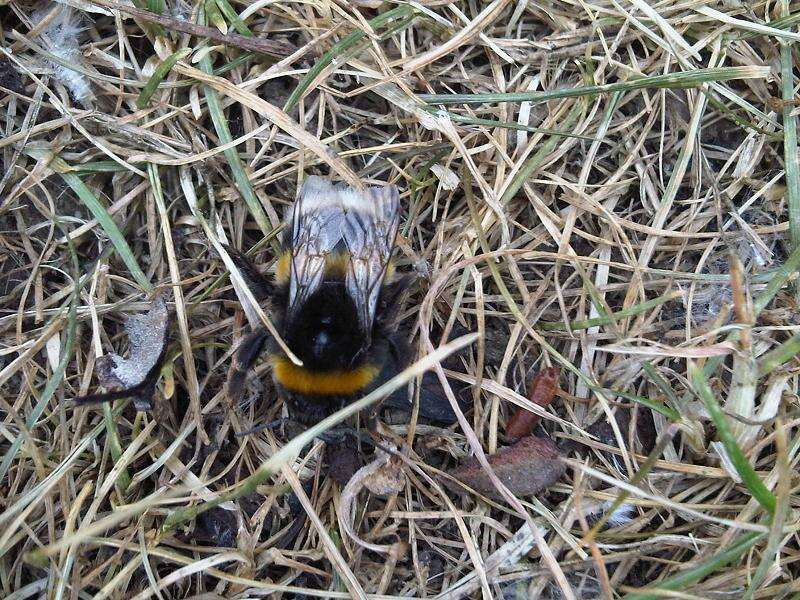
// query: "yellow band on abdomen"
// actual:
[[322, 383]]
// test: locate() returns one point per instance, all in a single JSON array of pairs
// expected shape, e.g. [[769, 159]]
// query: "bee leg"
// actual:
[[244, 358], [337, 434], [371, 421], [100, 397], [261, 287]]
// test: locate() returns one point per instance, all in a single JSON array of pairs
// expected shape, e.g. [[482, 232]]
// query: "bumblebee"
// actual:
[[334, 299]]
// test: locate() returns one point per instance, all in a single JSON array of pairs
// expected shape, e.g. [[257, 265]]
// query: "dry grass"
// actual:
[[637, 232]]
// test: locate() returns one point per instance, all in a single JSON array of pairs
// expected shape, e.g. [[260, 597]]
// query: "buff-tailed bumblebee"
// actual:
[[334, 298]]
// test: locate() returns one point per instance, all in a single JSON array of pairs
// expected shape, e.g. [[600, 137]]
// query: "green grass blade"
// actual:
[[115, 449], [233, 18], [692, 576], [783, 494], [684, 79], [231, 155], [760, 28], [159, 75], [341, 48], [790, 157], [613, 317], [668, 412], [156, 6], [783, 23], [717, 103], [661, 383], [535, 161], [748, 475], [778, 356], [692, 429], [106, 222], [214, 16], [509, 125], [152, 28], [777, 281], [98, 166]]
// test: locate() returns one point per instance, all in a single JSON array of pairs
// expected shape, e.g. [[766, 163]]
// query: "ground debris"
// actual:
[[541, 391], [526, 468], [383, 476], [135, 376]]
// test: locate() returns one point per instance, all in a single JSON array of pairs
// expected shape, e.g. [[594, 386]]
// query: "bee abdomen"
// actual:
[[339, 382]]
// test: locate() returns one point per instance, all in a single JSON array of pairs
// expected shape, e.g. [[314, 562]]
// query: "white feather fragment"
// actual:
[[61, 37], [622, 515]]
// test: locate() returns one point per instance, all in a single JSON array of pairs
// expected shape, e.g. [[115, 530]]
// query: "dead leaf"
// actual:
[[386, 479], [529, 466], [541, 391], [135, 376], [383, 476]]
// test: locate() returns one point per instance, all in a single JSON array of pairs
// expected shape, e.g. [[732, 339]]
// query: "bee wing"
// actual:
[[369, 234], [315, 229], [327, 218]]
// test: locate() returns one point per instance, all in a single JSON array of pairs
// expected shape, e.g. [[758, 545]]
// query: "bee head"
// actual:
[[325, 332]]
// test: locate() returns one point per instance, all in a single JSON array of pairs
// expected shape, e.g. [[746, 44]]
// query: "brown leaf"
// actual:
[[386, 479], [383, 476], [541, 391], [526, 468]]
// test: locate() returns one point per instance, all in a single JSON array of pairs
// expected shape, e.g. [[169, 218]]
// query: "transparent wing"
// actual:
[[328, 218], [316, 228], [369, 235]]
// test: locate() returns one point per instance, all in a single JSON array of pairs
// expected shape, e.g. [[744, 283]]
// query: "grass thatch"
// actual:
[[612, 186]]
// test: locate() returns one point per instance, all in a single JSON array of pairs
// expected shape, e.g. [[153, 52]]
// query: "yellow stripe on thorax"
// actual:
[[322, 383], [336, 265], [283, 267]]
